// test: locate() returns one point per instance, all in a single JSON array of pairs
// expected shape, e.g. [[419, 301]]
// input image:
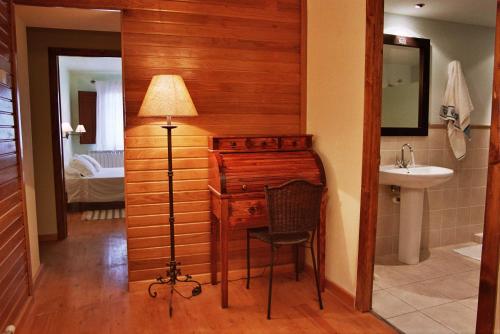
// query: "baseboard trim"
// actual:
[[47, 237], [36, 277], [344, 296]]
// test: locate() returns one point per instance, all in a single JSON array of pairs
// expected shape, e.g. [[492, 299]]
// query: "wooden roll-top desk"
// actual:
[[240, 167]]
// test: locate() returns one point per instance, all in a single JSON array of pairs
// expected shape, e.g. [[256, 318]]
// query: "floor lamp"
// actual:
[[168, 96]]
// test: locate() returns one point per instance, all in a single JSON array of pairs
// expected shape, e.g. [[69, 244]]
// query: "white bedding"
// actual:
[[107, 185]]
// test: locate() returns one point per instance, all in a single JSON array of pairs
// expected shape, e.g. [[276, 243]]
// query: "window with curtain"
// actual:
[[109, 116]]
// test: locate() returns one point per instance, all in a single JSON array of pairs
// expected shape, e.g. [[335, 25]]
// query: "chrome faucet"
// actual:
[[405, 163]]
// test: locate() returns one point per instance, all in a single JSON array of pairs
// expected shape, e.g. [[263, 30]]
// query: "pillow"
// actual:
[[93, 161], [83, 166]]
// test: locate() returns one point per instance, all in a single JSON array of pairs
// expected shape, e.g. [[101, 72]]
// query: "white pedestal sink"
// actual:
[[413, 182]]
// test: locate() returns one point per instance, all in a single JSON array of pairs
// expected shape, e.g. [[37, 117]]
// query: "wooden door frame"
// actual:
[[490, 260], [55, 115], [371, 153], [488, 288]]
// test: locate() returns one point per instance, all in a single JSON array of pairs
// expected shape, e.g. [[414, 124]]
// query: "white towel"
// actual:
[[456, 109]]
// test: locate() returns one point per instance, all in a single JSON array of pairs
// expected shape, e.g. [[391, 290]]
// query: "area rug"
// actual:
[[474, 252], [103, 214]]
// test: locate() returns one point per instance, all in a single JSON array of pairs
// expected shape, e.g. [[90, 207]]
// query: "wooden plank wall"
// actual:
[[14, 267], [241, 63]]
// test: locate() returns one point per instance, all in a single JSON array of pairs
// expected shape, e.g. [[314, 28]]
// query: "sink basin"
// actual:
[[413, 182], [418, 177]]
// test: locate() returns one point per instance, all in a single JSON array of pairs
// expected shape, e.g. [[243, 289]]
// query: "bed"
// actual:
[[102, 190]]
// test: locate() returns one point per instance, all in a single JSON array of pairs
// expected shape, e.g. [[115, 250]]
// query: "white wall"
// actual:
[[335, 88], [65, 98], [472, 45], [27, 146]]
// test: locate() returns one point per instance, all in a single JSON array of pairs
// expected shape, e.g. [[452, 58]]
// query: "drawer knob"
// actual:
[[233, 144], [244, 187], [264, 144], [294, 143], [252, 210]]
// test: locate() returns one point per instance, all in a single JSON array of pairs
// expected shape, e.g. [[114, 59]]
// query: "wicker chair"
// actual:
[[294, 214]]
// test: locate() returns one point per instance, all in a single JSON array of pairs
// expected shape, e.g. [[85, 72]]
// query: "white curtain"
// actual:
[[109, 115]]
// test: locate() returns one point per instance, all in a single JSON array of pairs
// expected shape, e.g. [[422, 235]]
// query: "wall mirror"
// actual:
[[405, 86]]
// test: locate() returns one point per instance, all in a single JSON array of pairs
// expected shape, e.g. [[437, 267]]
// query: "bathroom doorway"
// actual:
[[454, 211]]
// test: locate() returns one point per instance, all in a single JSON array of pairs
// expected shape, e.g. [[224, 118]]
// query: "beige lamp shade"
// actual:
[[167, 95], [66, 127], [80, 128]]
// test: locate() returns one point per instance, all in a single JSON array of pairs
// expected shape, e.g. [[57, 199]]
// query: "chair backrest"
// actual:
[[294, 206]]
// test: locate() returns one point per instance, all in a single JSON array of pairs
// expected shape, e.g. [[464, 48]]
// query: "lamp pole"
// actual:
[[173, 272]]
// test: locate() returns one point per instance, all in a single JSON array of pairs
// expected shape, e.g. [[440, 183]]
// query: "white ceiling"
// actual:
[[90, 64], [69, 18], [478, 12]]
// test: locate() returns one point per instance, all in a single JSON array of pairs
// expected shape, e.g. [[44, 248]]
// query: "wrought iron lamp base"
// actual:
[[174, 276]]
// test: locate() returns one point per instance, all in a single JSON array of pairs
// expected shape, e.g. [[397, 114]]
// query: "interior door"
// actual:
[[87, 105]]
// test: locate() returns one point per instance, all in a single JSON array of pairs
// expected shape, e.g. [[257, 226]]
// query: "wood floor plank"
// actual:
[[90, 295]]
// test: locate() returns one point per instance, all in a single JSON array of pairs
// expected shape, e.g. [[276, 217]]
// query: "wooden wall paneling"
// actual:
[[303, 66], [274, 10], [15, 270], [243, 65]]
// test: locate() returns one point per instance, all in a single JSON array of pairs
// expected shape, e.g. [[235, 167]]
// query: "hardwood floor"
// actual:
[[83, 290]]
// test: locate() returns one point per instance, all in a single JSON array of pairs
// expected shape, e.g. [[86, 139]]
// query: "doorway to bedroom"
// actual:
[[91, 114], [72, 120], [87, 106]]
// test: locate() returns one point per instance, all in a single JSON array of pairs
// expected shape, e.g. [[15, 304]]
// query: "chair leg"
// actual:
[[248, 259], [316, 278], [270, 284], [296, 251]]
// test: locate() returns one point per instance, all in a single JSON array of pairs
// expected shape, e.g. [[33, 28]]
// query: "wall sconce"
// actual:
[[67, 130]]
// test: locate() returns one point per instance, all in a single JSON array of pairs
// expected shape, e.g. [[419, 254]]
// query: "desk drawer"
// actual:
[[262, 143], [236, 144], [294, 143], [247, 212]]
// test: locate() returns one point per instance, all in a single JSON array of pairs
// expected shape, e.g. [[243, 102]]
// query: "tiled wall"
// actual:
[[454, 211]]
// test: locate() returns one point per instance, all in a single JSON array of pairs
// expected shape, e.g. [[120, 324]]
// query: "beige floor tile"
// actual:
[[455, 316], [420, 295], [376, 287], [451, 264], [419, 272], [452, 288], [388, 306], [387, 277], [470, 277], [443, 286], [470, 303], [418, 323]]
